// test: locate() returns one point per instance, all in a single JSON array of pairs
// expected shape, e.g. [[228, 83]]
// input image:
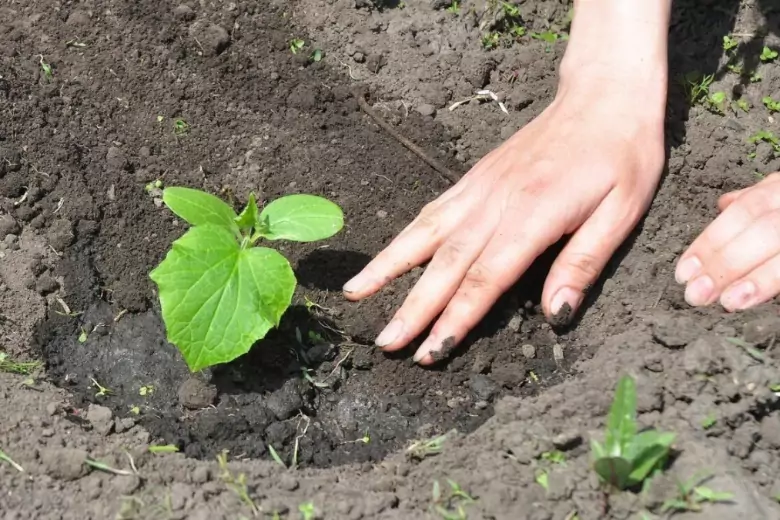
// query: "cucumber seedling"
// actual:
[[768, 55], [220, 293], [628, 457], [771, 104]]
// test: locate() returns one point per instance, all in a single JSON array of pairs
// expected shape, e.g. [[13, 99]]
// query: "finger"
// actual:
[[729, 224], [758, 286], [759, 242], [580, 263], [509, 253], [441, 279], [726, 199], [415, 244]]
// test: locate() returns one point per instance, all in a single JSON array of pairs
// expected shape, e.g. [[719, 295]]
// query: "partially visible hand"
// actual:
[[587, 166], [737, 258]]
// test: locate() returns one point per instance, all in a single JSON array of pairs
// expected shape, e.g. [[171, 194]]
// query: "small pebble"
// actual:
[[558, 352], [529, 351]]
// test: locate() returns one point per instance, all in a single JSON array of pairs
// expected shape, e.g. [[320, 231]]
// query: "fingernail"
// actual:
[[390, 334], [739, 296], [699, 291], [687, 269], [564, 303], [356, 284], [427, 346]]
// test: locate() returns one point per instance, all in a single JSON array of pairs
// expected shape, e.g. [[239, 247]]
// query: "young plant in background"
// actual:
[[768, 55], [627, 458], [219, 293]]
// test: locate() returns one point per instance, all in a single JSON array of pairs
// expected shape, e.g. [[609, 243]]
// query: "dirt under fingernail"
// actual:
[[444, 353]]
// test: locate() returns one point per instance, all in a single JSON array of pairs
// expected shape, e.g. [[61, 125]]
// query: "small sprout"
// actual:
[[743, 105], [235, 484], [511, 10], [546, 36], [698, 87], [401, 5], [427, 448], [102, 466], [146, 390], [75, 43], [736, 69], [153, 186], [542, 478], [46, 68], [5, 458], [628, 457], [555, 456], [135, 410], [24, 368], [316, 56], [729, 43], [755, 77], [709, 421], [491, 40], [163, 448], [83, 336], [307, 510], [533, 376], [160, 119], [716, 102], [180, 127], [749, 348], [454, 7], [690, 496], [771, 104], [768, 54], [517, 31], [276, 457], [775, 387], [102, 391], [450, 507], [296, 45], [766, 137]]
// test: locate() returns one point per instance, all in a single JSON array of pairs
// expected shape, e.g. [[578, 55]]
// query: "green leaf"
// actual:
[[614, 470], [218, 299], [643, 440], [248, 217], [706, 494], [200, 208], [621, 424], [650, 458], [302, 218]]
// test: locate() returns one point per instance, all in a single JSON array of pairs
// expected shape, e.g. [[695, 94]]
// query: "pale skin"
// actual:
[[587, 168]]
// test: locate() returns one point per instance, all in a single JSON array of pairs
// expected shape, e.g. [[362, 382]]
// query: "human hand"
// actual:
[[587, 166], [737, 258]]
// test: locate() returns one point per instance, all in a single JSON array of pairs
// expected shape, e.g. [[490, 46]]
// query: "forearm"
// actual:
[[619, 40]]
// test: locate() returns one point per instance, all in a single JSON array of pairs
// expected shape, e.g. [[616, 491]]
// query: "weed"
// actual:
[[736, 69], [709, 421], [102, 466], [215, 275], [48, 72], [543, 479], [24, 368], [427, 448], [307, 511], [554, 456], [491, 40], [296, 45], [716, 102], [83, 335], [316, 55], [454, 7], [235, 484], [768, 54], [511, 10], [154, 185], [135, 410], [102, 391], [451, 506], [180, 127], [766, 137], [690, 496], [697, 87], [276, 457], [627, 458], [743, 105], [146, 390], [164, 448], [771, 104], [729, 43], [5, 458], [549, 37], [755, 77]]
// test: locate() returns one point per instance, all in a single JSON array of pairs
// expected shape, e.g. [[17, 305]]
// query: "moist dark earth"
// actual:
[[100, 100]]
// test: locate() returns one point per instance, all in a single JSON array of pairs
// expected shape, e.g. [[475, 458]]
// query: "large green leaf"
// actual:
[[218, 299], [302, 218], [621, 424], [199, 208], [651, 457]]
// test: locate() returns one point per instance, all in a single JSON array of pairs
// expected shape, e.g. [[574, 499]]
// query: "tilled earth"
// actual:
[[90, 94]]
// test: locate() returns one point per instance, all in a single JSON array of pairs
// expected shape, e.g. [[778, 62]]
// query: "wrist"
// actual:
[[619, 47]]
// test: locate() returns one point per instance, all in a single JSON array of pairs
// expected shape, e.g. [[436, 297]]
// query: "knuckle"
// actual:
[[450, 253], [478, 277], [760, 201]]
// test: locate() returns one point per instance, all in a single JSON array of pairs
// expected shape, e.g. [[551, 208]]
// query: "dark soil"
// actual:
[[79, 233], [260, 119]]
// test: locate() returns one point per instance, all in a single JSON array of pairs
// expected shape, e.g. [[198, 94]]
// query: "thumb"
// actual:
[[583, 258]]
